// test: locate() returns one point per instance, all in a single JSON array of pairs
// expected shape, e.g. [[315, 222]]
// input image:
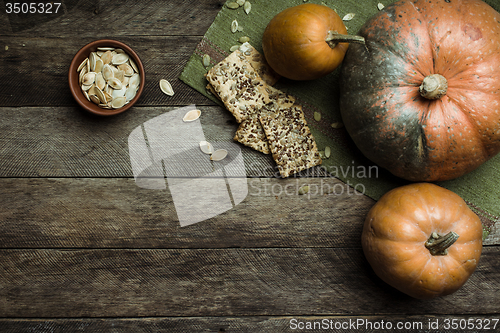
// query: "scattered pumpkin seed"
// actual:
[[380, 6], [206, 60], [328, 152], [234, 26], [166, 87], [206, 147], [348, 17], [234, 48], [240, 28], [247, 7], [337, 125], [317, 116], [232, 5], [191, 116], [218, 155], [304, 189], [240, 2], [244, 39]]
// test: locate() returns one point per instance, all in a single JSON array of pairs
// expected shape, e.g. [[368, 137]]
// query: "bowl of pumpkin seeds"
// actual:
[[106, 77]]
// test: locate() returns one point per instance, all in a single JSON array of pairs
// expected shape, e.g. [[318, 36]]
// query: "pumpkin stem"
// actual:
[[438, 245], [434, 86], [333, 38]]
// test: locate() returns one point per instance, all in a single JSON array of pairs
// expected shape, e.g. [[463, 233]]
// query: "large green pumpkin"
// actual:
[[422, 97]]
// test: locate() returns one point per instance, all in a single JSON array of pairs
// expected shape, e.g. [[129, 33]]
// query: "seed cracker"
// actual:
[[260, 64], [251, 134], [238, 86], [290, 140]]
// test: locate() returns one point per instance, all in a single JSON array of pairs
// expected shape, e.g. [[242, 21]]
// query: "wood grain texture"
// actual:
[[84, 249], [249, 324], [36, 69], [68, 142], [116, 213], [219, 282], [102, 18]]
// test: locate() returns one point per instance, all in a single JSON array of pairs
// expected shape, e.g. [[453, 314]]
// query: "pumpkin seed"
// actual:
[[244, 39], [247, 7], [337, 125], [83, 64], [98, 65], [103, 48], [107, 72], [107, 57], [191, 116], [218, 155], [234, 48], [240, 28], [133, 65], [232, 5], [130, 93], [118, 102], [166, 87], [92, 60], [115, 83], [119, 58], [206, 147], [234, 26], [380, 6], [317, 116], [348, 17], [328, 152], [89, 78], [304, 189], [240, 2], [206, 60]]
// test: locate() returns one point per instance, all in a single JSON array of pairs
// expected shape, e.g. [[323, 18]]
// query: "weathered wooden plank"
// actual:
[[220, 282], [68, 142], [103, 18], [264, 324], [116, 213], [35, 70]]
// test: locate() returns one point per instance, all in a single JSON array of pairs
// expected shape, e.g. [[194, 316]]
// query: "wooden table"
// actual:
[[84, 249]]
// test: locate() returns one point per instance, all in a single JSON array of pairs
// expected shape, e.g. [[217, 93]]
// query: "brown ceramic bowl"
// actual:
[[74, 80]]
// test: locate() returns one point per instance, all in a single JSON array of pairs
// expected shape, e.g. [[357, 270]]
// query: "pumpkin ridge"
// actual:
[[414, 285], [468, 115]]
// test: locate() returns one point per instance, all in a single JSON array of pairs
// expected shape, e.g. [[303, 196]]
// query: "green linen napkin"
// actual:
[[479, 188]]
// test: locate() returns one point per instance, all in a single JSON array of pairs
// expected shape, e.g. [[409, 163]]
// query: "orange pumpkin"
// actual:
[[422, 97], [423, 240], [304, 42]]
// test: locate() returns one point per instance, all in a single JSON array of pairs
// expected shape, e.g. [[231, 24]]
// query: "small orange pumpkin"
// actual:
[[305, 42], [423, 240]]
